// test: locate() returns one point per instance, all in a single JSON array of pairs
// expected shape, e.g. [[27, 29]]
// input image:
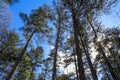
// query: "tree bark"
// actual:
[[117, 70], [20, 58], [76, 67], [89, 61], [105, 72], [114, 75], [78, 50], [101, 51], [56, 48]]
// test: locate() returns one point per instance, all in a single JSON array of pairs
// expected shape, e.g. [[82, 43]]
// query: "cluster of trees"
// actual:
[[75, 31]]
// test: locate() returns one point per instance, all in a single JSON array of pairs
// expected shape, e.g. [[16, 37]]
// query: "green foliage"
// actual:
[[63, 77], [37, 20], [11, 2], [41, 78], [10, 44]]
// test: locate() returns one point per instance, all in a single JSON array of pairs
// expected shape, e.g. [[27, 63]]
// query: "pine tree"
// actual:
[[33, 25], [60, 21]]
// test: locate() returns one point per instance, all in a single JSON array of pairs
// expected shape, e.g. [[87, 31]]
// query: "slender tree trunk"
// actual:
[[20, 58], [114, 75], [56, 48], [116, 59], [93, 71], [78, 50], [89, 62], [76, 67], [101, 51], [114, 56], [105, 72], [20, 73]]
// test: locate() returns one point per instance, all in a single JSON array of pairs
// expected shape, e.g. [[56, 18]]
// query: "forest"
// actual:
[[64, 40]]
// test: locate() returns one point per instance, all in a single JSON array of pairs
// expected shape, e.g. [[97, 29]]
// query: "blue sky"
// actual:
[[25, 6], [112, 19]]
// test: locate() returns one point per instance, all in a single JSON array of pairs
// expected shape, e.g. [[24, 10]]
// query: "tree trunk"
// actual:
[[116, 59], [56, 48], [105, 72], [114, 75], [89, 61], [101, 51], [76, 67], [20, 58], [78, 50]]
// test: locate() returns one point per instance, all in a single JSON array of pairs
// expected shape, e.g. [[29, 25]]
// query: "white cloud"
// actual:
[[68, 36], [70, 68], [52, 47], [94, 54]]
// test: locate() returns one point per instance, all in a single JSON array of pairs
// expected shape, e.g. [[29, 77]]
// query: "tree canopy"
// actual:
[[62, 41]]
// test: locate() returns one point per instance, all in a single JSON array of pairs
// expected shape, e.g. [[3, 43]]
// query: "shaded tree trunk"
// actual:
[[116, 59], [56, 48], [105, 72], [114, 75], [76, 67], [101, 51], [93, 71], [20, 58], [78, 50]]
